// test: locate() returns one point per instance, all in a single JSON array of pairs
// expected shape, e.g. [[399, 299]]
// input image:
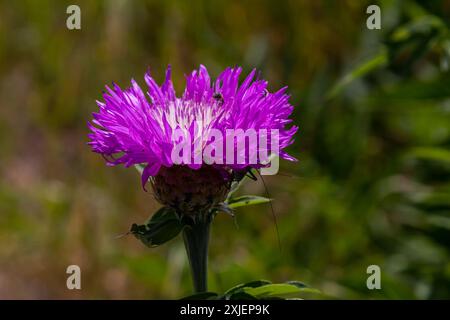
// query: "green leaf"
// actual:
[[431, 153], [251, 284], [422, 25], [362, 70], [202, 296], [163, 226], [279, 290], [246, 201], [439, 221]]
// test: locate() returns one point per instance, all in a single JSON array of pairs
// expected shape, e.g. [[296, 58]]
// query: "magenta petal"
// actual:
[[131, 127]]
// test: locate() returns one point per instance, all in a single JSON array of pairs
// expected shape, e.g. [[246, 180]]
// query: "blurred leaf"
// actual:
[[163, 226], [403, 56], [445, 59], [422, 25], [439, 221], [435, 88], [431, 153], [362, 70], [246, 201]]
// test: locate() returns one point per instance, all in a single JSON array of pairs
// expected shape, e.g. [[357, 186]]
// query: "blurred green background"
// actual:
[[372, 185]]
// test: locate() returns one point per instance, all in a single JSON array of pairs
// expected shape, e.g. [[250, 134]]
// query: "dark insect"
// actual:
[[218, 97], [238, 175], [265, 93]]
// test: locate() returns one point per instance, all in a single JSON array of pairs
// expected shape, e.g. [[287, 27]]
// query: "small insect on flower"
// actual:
[[238, 175], [133, 128], [218, 97]]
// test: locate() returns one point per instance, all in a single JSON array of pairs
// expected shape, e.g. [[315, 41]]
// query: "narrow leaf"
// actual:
[[362, 70], [431, 153], [246, 201]]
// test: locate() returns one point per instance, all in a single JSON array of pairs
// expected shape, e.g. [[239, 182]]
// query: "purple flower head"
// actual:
[[131, 128]]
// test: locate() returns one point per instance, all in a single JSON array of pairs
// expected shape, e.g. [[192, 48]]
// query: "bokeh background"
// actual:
[[372, 185]]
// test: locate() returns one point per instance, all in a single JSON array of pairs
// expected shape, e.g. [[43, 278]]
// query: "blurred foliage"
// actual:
[[372, 185]]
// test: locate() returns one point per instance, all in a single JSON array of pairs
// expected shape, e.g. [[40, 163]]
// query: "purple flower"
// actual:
[[132, 129]]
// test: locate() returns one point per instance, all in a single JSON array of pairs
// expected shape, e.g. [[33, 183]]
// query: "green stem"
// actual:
[[196, 240]]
